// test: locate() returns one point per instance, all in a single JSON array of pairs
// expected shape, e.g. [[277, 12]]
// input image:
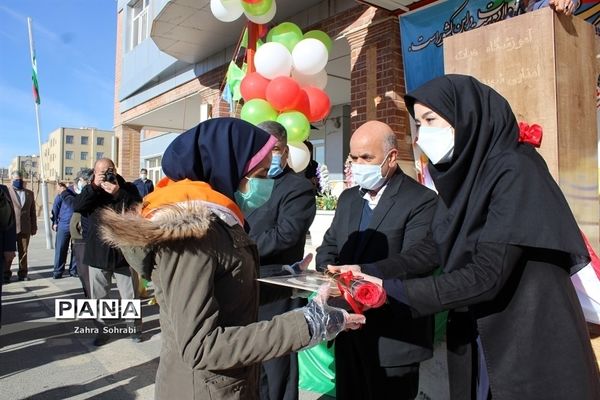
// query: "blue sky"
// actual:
[[75, 51]]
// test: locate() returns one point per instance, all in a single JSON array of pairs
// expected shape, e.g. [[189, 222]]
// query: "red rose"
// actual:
[[369, 294]]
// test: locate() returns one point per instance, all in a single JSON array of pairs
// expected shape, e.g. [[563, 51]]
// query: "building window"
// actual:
[[69, 139], [68, 170], [84, 155], [84, 140], [139, 22], [68, 155], [100, 141], [34, 164], [154, 167], [99, 155]]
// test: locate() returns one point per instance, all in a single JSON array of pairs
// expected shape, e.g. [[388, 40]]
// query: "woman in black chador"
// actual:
[[507, 242]]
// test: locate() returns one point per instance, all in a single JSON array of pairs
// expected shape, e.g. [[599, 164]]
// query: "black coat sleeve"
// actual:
[[127, 196], [294, 216], [88, 199], [420, 259], [419, 222], [478, 281]]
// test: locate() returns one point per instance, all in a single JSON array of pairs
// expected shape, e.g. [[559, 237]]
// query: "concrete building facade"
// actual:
[[68, 150]]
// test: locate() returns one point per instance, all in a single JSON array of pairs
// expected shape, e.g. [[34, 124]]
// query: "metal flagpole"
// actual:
[[44, 184]]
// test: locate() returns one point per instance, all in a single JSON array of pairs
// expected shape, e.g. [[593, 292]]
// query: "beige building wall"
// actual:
[[68, 150], [28, 165]]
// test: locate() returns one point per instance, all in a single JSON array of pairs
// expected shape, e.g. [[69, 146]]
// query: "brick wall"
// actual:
[[377, 71], [128, 156]]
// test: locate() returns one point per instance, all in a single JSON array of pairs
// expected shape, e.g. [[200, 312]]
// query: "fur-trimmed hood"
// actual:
[[174, 222]]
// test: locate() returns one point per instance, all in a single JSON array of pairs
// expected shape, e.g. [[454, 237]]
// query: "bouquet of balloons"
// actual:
[[289, 81], [257, 11], [288, 85]]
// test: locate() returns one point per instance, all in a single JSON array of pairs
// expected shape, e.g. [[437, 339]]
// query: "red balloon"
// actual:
[[302, 103], [319, 103], [254, 86], [282, 93]]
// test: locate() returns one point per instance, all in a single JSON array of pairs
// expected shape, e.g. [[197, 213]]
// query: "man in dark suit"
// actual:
[[26, 223], [385, 214], [8, 234], [279, 229]]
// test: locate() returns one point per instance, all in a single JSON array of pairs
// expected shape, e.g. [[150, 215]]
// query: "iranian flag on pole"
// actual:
[[36, 88]]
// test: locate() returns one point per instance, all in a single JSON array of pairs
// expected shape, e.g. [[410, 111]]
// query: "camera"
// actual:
[[110, 176]]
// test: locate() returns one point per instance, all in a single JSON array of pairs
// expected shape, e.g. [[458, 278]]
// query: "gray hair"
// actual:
[[275, 129], [17, 174], [390, 142], [85, 174]]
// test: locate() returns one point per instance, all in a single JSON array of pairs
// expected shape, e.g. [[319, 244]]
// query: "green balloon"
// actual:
[[256, 111], [296, 125], [259, 8], [321, 36], [286, 33]]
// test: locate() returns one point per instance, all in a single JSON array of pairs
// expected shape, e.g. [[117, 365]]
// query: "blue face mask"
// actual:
[[275, 168], [18, 184], [259, 191]]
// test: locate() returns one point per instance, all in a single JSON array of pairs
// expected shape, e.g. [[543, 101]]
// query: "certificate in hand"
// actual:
[[308, 280]]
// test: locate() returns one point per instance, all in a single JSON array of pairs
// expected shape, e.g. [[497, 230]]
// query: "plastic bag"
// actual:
[[317, 368]]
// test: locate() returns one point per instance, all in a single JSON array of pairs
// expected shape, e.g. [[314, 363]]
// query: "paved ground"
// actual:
[[42, 358]]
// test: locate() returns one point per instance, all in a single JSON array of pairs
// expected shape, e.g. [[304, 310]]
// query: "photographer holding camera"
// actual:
[[108, 189]]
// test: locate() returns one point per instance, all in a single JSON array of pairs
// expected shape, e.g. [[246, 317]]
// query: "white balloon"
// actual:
[[273, 59], [226, 10], [265, 18], [318, 80], [298, 156], [310, 56]]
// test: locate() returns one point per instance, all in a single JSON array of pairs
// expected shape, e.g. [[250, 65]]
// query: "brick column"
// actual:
[[128, 151], [377, 76]]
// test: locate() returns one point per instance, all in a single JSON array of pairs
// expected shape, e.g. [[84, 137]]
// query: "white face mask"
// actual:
[[80, 186], [143, 176], [436, 143], [368, 176]]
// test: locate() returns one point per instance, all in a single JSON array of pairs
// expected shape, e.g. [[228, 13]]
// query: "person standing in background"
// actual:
[[26, 223], [107, 190], [61, 220], [143, 184], [8, 235], [79, 227], [279, 229]]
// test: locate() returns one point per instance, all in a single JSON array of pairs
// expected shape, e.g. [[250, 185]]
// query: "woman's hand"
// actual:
[[566, 7], [355, 271], [344, 268], [325, 321], [354, 321]]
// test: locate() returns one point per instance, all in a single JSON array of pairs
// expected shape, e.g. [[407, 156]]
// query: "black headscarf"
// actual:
[[494, 189], [219, 151]]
